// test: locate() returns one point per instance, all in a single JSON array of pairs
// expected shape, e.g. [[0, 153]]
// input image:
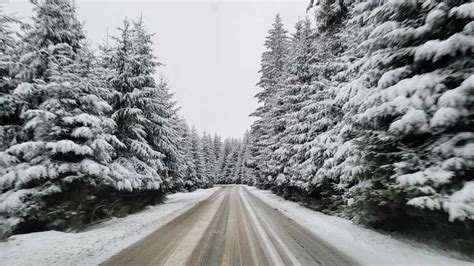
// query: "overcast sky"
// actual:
[[211, 50]]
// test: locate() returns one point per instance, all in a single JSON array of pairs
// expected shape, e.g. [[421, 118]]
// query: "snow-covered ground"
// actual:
[[101, 241], [365, 246]]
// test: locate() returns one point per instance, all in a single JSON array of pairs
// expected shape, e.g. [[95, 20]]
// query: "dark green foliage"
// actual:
[[80, 205], [373, 118], [85, 138]]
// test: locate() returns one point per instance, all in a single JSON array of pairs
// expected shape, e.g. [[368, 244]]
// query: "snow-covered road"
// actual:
[[232, 227]]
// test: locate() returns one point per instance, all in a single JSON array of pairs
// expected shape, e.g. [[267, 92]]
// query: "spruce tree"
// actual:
[[197, 155], [216, 148], [166, 134], [241, 173], [230, 161], [272, 73], [246, 174], [133, 102], [321, 167], [209, 156], [10, 104], [221, 161], [292, 103], [232, 174], [188, 168], [416, 119], [158, 107], [65, 144], [329, 13], [216, 145]]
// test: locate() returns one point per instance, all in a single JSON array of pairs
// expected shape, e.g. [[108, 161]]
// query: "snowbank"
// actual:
[[101, 241], [365, 246]]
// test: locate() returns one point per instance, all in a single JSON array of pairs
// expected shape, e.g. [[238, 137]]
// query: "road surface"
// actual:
[[231, 227]]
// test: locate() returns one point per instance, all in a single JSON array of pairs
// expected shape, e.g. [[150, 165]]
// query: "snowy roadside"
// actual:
[[100, 242], [365, 246]]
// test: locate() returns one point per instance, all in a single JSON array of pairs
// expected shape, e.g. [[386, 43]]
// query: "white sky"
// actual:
[[211, 50]]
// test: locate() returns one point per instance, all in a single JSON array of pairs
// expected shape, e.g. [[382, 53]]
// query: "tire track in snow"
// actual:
[[232, 227]]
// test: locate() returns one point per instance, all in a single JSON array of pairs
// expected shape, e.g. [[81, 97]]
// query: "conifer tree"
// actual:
[[166, 134], [133, 103], [188, 168], [202, 179], [242, 173], [329, 13], [237, 173], [221, 161], [248, 176], [232, 173], [416, 118], [209, 156], [293, 101], [10, 105], [217, 145], [217, 149], [230, 161], [65, 142], [272, 73]]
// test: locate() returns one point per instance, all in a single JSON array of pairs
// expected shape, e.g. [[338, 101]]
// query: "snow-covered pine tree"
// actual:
[[136, 162], [166, 138], [221, 161], [10, 105], [234, 161], [209, 156], [217, 145], [158, 106], [315, 124], [324, 130], [272, 73], [237, 174], [61, 158], [417, 118], [188, 168], [217, 149], [229, 160], [295, 95], [6, 34], [242, 173], [329, 13], [225, 162], [105, 60], [197, 154], [248, 176], [251, 159]]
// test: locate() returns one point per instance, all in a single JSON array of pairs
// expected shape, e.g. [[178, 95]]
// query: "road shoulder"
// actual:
[[100, 242], [365, 246]]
